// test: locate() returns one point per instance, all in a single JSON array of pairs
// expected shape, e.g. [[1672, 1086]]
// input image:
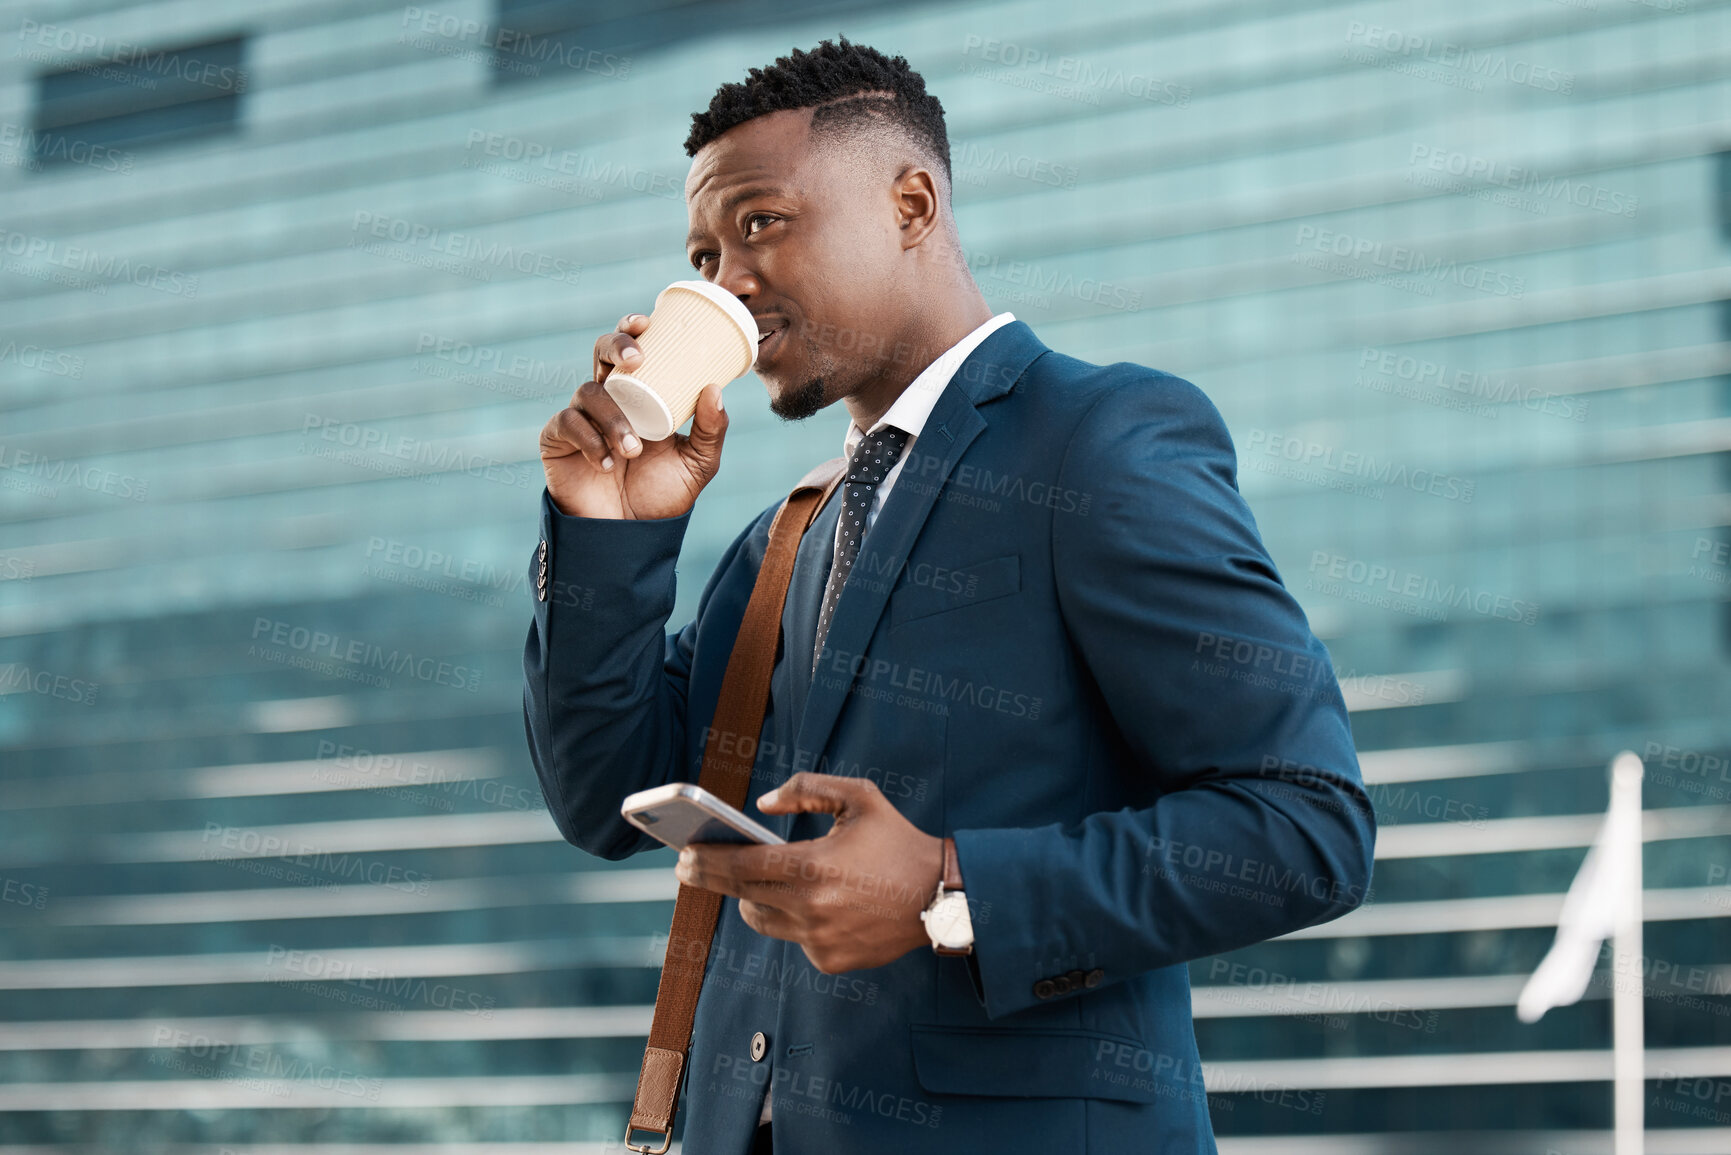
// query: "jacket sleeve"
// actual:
[[605, 688], [1226, 703]]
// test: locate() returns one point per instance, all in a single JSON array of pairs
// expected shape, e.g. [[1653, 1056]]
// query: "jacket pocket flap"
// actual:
[[1043, 1064], [932, 589]]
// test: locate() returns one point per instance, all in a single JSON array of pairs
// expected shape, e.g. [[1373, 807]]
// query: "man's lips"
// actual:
[[769, 337]]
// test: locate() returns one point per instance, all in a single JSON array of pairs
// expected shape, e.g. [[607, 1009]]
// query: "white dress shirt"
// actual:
[[908, 412]]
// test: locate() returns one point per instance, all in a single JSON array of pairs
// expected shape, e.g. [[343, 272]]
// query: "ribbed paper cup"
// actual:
[[697, 334]]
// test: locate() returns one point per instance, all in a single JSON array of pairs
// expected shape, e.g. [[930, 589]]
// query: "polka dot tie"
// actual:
[[871, 462]]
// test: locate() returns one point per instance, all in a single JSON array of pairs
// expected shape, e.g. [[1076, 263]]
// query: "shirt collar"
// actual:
[[909, 411]]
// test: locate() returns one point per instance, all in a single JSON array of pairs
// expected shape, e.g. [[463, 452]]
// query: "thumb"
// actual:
[[708, 429], [808, 793]]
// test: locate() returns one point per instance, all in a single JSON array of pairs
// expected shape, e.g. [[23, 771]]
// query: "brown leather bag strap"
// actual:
[[726, 773]]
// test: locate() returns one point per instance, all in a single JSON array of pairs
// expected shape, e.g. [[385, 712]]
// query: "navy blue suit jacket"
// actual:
[[1062, 643]]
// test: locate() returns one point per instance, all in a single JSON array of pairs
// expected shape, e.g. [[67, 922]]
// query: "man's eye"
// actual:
[[699, 259]]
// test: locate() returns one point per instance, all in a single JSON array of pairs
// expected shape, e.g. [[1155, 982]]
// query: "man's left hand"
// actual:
[[852, 898]]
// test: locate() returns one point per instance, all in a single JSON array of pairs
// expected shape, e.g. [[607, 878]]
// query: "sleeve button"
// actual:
[[1093, 978], [1044, 989]]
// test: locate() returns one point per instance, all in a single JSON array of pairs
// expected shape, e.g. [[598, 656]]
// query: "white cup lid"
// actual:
[[730, 304]]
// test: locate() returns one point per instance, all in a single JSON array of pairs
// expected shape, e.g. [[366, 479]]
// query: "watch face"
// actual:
[[948, 923]]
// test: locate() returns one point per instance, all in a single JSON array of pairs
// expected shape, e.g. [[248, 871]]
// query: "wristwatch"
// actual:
[[946, 916]]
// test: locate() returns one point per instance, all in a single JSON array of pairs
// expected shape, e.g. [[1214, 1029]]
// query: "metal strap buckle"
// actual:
[[645, 1149]]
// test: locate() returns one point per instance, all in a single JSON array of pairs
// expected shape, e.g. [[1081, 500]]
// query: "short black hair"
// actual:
[[825, 78]]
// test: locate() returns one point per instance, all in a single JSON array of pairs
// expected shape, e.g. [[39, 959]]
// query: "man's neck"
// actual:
[[927, 341]]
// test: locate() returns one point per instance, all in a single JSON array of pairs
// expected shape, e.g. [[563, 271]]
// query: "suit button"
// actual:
[[759, 1047], [1044, 989], [1093, 978], [1077, 978]]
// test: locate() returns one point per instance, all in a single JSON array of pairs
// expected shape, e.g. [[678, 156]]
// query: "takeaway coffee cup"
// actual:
[[697, 334]]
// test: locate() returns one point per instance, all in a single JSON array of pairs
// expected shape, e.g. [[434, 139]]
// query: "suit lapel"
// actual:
[[989, 371]]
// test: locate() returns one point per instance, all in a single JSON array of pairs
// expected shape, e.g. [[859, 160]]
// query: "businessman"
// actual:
[[1044, 722]]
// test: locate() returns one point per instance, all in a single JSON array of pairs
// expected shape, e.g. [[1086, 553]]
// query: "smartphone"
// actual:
[[681, 813]]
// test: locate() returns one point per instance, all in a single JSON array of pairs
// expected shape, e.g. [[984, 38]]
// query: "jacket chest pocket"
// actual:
[[930, 588]]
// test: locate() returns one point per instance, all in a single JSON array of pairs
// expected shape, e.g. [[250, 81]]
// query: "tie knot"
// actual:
[[876, 455]]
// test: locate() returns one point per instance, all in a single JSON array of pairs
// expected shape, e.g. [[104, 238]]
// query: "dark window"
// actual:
[[537, 38], [143, 97], [1723, 167]]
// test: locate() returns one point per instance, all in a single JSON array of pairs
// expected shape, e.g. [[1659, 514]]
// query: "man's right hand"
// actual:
[[597, 467]]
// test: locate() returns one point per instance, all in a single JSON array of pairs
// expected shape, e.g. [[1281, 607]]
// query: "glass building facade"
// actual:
[[287, 288]]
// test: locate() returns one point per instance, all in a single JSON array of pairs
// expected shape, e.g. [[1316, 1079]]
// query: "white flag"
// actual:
[[1590, 908]]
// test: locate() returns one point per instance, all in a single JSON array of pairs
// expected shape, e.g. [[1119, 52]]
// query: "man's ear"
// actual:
[[917, 205]]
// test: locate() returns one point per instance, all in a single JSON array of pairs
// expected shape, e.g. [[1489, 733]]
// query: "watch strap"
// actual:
[[952, 884], [952, 866]]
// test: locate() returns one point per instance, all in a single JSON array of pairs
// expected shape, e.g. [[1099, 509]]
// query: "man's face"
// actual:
[[808, 239]]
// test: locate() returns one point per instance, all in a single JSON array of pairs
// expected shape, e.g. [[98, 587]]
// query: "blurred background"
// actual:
[[288, 287]]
